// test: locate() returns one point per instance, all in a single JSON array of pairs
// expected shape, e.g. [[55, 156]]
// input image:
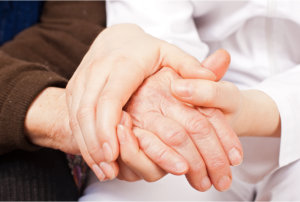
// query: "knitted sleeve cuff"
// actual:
[[20, 94]]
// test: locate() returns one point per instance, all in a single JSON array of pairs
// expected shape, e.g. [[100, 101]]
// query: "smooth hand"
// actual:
[[249, 112]]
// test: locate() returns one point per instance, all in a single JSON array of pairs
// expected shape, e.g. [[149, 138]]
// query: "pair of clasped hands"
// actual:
[[138, 108]]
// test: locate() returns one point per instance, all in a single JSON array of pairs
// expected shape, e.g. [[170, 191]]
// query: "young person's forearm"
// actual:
[[260, 115]]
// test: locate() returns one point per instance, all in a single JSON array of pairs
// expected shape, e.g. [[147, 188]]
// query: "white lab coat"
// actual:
[[263, 38]]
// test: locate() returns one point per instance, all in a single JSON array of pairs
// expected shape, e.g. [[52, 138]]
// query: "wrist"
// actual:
[[260, 115], [47, 117]]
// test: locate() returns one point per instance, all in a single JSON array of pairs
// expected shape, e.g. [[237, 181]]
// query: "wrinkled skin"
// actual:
[[188, 130], [114, 67]]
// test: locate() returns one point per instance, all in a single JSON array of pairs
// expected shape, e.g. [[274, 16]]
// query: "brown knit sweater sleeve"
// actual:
[[44, 55]]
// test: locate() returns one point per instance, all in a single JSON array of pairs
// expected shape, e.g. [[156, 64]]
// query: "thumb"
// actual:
[[218, 63]]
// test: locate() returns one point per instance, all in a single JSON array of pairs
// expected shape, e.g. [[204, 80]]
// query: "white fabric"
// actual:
[[263, 38], [280, 185]]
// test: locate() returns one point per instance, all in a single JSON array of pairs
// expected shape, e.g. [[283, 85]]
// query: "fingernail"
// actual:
[[181, 167], [205, 183], [121, 134], [235, 157], [217, 63], [98, 172], [109, 171], [182, 88], [224, 183], [108, 155]]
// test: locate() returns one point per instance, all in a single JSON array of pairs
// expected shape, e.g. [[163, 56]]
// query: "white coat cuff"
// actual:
[[285, 91]]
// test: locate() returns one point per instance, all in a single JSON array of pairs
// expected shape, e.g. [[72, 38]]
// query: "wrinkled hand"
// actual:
[[203, 144], [47, 122], [140, 153], [47, 125], [119, 60]]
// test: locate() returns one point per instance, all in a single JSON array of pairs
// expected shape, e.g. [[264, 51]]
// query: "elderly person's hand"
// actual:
[[47, 125], [144, 156], [159, 158], [47, 121], [117, 63], [203, 137]]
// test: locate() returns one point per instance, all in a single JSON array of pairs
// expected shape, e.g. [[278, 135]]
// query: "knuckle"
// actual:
[[94, 151], [217, 164], [161, 155], [84, 111], [199, 125], [165, 74], [168, 72], [209, 112], [176, 137], [147, 145], [198, 167], [143, 141]]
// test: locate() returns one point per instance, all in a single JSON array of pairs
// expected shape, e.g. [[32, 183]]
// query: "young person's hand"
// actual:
[[119, 60], [249, 112]]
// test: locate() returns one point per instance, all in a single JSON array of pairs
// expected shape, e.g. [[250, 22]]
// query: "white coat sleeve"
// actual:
[[171, 21], [284, 89]]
